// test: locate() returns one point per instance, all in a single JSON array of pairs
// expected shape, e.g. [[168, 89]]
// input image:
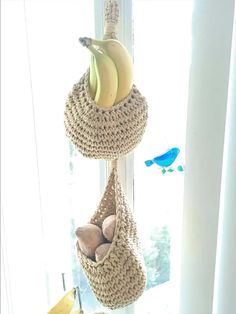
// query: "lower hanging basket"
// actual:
[[104, 133], [120, 278]]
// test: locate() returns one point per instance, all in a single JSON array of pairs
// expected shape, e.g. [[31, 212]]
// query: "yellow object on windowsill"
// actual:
[[67, 304], [76, 311]]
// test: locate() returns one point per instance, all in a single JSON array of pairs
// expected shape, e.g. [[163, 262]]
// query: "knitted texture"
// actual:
[[111, 19], [104, 133], [120, 278]]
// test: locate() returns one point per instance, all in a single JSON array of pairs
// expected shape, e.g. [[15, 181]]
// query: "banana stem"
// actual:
[[94, 50], [89, 42], [85, 41]]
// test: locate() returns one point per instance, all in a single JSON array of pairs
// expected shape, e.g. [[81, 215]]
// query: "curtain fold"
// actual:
[[206, 118], [225, 283]]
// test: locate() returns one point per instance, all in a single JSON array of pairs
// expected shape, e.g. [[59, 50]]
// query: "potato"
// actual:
[[108, 227], [101, 251], [89, 238]]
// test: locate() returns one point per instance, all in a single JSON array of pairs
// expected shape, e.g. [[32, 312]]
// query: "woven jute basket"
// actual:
[[105, 133], [120, 278]]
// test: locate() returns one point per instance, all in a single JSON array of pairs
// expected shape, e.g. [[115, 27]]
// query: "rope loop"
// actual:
[[114, 164], [111, 19]]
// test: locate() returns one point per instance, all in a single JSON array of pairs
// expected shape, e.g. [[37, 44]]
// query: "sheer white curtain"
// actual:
[[208, 274], [40, 63]]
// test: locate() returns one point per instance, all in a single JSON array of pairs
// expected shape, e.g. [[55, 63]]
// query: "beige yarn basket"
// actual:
[[120, 278], [104, 133]]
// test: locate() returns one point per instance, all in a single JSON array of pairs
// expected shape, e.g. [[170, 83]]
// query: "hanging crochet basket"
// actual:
[[120, 278], [104, 133]]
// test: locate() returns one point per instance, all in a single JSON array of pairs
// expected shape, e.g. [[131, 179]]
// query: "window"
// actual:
[[162, 50], [55, 189]]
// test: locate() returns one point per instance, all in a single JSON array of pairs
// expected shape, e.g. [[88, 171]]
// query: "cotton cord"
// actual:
[[111, 19]]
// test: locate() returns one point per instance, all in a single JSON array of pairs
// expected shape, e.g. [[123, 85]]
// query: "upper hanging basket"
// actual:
[[104, 133], [120, 278]]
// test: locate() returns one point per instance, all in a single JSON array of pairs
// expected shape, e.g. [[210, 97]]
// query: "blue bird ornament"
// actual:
[[165, 160]]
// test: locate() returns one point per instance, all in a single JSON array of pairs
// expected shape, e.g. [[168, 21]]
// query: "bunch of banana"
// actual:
[[66, 304], [111, 71]]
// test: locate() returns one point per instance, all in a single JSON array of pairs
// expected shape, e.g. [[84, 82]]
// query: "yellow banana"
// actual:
[[75, 311], [107, 79], [92, 77], [123, 62], [65, 305]]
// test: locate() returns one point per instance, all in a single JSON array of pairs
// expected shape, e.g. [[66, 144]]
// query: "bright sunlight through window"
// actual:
[[162, 51]]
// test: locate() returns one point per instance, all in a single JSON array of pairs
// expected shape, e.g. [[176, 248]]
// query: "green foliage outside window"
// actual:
[[157, 257]]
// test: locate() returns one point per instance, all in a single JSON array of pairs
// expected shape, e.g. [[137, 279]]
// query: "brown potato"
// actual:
[[89, 238], [108, 227], [101, 251]]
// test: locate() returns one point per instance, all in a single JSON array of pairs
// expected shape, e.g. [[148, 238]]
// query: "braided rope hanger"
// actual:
[[111, 19]]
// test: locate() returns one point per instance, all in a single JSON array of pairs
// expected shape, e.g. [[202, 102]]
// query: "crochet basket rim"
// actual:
[[92, 102]]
